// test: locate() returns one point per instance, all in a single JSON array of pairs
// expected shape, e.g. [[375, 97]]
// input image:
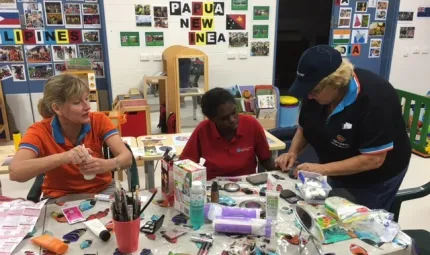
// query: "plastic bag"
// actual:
[[344, 210]]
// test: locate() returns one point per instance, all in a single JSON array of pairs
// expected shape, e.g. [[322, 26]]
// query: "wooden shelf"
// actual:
[[4, 127]]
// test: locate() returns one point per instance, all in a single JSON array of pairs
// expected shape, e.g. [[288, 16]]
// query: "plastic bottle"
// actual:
[[197, 204], [16, 139], [214, 192]]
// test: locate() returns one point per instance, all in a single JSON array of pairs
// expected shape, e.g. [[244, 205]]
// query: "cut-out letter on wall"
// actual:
[[200, 38], [356, 50], [62, 36], [197, 8], [192, 38], [175, 8], [208, 9], [29, 36], [39, 36], [196, 23], [75, 36], [18, 36], [185, 23], [219, 9], [186, 8], [208, 24], [211, 38]]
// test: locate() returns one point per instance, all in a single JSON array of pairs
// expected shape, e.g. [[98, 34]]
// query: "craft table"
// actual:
[[193, 93], [274, 145], [5, 151], [184, 245]]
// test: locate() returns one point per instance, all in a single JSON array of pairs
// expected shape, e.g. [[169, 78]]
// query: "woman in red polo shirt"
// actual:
[[230, 143], [60, 144]]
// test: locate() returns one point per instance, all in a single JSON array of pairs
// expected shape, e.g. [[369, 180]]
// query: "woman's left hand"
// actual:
[[95, 165], [311, 167]]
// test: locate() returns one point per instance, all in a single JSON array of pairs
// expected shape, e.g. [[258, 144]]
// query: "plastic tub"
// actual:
[[289, 111], [313, 188]]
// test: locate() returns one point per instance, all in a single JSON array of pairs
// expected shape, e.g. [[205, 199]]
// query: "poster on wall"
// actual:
[[260, 48], [90, 35], [361, 21], [160, 17], [41, 71], [238, 39], [239, 5], [72, 14], [5, 72], [236, 21], [33, 15], [345, 17], [9, 19], [64, 52], [91, 51], [7, 4], [377, 29], [359, 36], [129, 39], [59, 68], [143, 15], [423, 12], [37, 53], [54, 13], [261, 12], [381, 10], [91, 15], [99, 69], [361, 6], [11, 54], [407, 32], [18, 73], [154, 39], [260, 31], [406, 16]]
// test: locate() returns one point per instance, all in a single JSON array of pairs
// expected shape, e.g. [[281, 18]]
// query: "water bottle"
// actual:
[[197, 204]]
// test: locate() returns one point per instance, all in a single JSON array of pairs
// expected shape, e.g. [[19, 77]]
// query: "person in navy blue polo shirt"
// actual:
[[230, 143], [353, 119]]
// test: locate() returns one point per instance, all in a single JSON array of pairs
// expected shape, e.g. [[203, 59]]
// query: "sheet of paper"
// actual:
[[17, 218], [180, 140]]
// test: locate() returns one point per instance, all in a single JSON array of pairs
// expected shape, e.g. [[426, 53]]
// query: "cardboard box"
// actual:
[[184, 173]]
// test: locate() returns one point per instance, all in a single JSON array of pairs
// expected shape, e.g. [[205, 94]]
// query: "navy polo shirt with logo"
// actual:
[[367, 121], [228, 158]]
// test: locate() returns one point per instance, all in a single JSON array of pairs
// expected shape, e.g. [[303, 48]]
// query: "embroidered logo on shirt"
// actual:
[[340, 138], [340, 142], [244, 149]]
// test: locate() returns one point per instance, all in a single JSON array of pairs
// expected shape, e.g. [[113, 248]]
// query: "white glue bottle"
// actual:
[[88, 156]]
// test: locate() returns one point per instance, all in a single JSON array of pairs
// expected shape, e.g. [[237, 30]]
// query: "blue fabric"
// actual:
[[375, 196], [58, 136], [349, 98]]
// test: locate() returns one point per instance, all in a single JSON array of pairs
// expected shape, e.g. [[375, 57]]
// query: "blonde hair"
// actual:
[[340, 78], [58, 90]]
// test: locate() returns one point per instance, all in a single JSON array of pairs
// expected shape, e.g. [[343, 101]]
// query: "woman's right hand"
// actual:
[[286, 161], [76, 155]]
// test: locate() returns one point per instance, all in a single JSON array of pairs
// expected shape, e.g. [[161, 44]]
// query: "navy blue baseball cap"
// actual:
[[315, 64]]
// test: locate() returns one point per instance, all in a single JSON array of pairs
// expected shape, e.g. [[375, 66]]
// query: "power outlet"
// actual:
[[243, 55], [416, 50], [231, 55], [158, 57]]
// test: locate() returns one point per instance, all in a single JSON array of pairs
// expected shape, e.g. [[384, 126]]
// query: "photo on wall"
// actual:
[[260, 31], [238, 39], [140, 9], [143, 21], [18, 73], [381, 15], [7, 4], [5, 73], [99, 69], [374, 53], [59, 68], [260, 48], [40, 71], [91, 14], [154, 39], [160, 17], [239, 5], [261, 12], [11, 54], [407, 32], [64, 52], [361, 20], [143, 15], [37, 53], [406, 16], [54, 13], [345, 17], [72, 15], [90, 36], [129, 39], [235, 21], [377, 29], [33, 15], [361, 6], [91, 51], [359, 36]]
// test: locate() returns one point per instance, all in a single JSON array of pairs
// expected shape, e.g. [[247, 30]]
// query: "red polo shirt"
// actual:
[[223, 158]]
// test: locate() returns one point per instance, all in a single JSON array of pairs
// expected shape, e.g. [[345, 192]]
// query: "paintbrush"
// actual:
[[147, 203]]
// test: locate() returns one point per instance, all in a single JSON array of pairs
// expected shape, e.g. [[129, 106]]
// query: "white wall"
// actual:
[[411, 73], [127, 71]]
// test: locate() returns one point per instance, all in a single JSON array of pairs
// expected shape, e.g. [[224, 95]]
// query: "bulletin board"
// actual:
[[38, 37], [360, 30]]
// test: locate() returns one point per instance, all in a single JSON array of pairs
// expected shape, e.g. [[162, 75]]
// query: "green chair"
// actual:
[[421, 236], [35, 192]]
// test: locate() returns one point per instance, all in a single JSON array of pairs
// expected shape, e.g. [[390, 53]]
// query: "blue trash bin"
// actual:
[[289, 111]]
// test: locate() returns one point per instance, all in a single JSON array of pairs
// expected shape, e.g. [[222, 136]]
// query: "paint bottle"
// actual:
[[272, 205], [98, 229], [197, 204], [214, 192], [16, 139], [51, 243]]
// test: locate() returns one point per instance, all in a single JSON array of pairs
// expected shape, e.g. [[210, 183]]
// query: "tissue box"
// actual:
[[184, 173]]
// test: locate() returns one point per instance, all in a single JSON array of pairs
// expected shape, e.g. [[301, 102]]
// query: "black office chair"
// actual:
[[421, 236], [132, 175]]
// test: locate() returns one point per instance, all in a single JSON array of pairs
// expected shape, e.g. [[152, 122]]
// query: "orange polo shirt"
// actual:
[[45, 138]]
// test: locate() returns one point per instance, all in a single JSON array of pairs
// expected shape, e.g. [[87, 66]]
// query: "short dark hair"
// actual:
[[212, 99]]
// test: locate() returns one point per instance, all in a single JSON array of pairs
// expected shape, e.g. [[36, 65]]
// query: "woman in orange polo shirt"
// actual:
[[59, 146]]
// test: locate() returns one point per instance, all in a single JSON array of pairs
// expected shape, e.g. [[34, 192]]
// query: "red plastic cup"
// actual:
[[127, 235]]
